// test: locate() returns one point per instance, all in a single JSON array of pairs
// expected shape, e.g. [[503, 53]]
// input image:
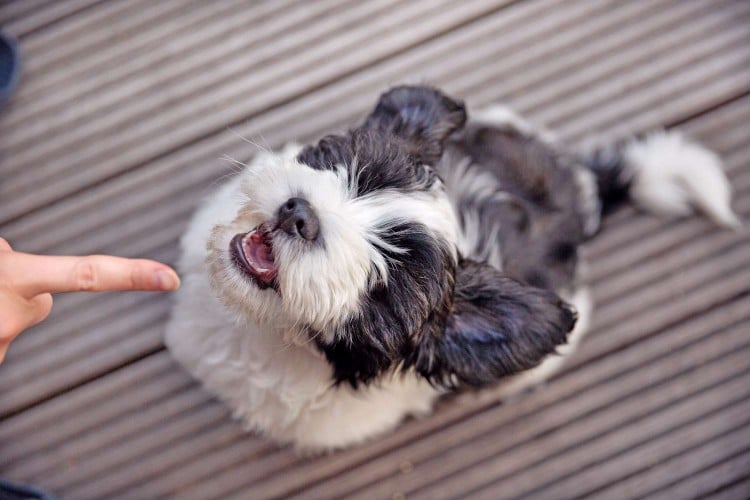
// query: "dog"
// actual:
[[331, 290]]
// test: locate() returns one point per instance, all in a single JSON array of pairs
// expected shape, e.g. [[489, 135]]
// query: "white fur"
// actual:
[[468, 184], [671, 175], [267, 370], [282, 389], [502, 116], [271, 379], [311, 295], [318, 286], [589, 204]]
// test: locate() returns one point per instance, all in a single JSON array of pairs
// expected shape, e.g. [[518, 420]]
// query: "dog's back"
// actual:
[[523, 204]]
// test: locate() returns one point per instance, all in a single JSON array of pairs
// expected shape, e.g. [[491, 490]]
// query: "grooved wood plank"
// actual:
[[219, 152], [94, 454], [65, 228], [137, 101], [207, 72], [120, 229], [190, 61], [696, 473], [274, 128], [712, 413], [41, 14], [679, 336], [739, 489], [435, 463], [210, 112], [88, 335], [175, 468], [14, 9], [36, 424], [170, 54]]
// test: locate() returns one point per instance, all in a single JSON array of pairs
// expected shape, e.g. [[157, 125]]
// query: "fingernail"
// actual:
[[167, 279]]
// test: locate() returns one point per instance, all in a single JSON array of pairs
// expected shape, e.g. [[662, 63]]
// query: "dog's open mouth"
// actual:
[[253, 254]]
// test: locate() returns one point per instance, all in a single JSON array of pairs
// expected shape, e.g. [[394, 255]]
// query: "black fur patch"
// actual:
[[404, 133], [417, 296], [612, 176], [422, 116], [497, 327], [376, 161], [392, 150]]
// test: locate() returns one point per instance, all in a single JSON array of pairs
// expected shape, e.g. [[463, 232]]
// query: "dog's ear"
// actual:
[[496, 327], [421, 116]]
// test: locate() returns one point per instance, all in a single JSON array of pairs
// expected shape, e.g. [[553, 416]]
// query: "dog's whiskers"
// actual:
[[266, 149]]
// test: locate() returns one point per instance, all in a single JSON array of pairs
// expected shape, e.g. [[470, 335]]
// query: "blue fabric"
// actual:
[[14, 491], [9, 66]]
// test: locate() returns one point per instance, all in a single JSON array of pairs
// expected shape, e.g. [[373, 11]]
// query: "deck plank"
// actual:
[[504, 429], [699, 472], [25, 17], [208, 112], [137, 101]]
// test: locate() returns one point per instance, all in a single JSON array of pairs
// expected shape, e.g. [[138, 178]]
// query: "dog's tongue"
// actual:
[[258, 257], [257, 252]]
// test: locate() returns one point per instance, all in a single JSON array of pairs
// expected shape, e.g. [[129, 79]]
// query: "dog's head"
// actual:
[[350, 245]]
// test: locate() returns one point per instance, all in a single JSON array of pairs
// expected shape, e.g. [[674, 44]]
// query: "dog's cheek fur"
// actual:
[[394, 315], [496, 327]]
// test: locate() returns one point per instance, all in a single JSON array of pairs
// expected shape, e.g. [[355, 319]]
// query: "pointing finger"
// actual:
[[95, 273]]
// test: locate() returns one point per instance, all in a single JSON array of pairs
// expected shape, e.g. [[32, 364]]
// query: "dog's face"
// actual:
[[349, 246]]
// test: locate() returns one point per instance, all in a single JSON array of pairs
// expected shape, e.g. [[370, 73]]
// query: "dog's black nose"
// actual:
[[297, 218]]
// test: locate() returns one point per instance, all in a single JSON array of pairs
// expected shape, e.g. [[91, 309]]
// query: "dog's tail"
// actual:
[[665, 173]]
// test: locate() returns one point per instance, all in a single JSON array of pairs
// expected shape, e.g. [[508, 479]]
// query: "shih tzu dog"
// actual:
[[331, 290]]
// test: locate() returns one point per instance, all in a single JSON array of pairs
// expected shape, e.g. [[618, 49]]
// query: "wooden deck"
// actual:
[[116, 132]]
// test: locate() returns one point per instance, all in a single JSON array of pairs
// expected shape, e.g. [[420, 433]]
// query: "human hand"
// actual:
[[28, 281]]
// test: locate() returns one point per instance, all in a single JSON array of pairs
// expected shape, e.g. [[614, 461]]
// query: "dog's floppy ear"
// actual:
[[496, 327], [422, 116]]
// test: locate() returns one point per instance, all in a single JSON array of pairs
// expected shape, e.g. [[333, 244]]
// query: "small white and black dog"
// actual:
[[331, 290]]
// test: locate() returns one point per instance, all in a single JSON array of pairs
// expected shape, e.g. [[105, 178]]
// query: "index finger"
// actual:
[[93, 273]]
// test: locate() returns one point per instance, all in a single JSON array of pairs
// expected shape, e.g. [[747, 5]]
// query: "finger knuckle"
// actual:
[[136, 276], [85, 276]]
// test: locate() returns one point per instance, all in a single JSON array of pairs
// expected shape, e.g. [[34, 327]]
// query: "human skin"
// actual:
[[27, 282]]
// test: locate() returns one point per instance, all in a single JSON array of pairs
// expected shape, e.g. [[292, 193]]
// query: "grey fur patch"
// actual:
[[524, 205]]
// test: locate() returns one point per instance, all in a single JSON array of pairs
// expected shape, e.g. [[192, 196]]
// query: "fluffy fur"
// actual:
[[446, 257]]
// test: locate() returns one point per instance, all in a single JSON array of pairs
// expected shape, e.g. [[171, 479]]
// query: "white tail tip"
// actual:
[[672, 175]]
